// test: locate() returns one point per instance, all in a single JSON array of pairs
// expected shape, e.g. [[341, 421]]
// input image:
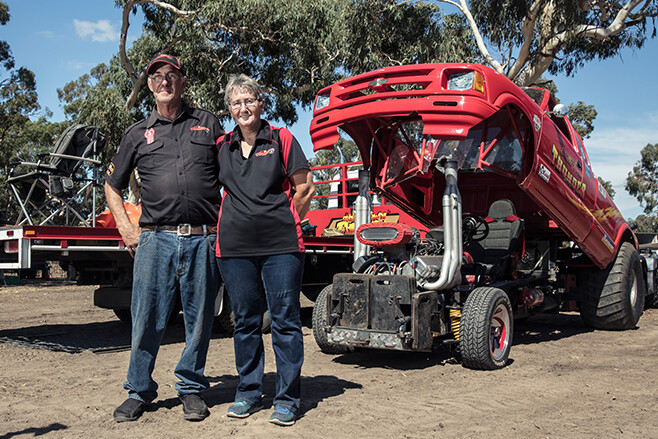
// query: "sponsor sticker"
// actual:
[[537, 122], [149, 135], [602, 191], [200, 128], [608, 242], [264, 152], [544, 173]]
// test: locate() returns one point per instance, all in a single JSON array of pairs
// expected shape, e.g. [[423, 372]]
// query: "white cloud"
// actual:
[[614, 150], [78, 65], [101, 31], [46, 34]]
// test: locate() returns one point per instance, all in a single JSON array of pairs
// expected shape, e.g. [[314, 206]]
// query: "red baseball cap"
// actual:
[[163, 57]]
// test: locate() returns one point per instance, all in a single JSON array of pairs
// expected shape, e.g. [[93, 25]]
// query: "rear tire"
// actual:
[[319, 323], [485, 334], [618, 302]]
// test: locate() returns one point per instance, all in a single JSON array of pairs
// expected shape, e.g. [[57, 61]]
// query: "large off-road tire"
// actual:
[[225, 323], [485, 334], [618, 302], [320, 317]]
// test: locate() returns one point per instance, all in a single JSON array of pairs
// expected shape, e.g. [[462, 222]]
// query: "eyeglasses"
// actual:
[[250, 103], [171, 77]]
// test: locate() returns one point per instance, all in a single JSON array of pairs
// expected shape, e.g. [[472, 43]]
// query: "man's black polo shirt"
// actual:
[[258, 217], [177, 163]]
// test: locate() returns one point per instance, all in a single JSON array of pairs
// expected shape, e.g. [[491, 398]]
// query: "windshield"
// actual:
[[495, 144]]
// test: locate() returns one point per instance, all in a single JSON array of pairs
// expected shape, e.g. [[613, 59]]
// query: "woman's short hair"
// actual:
[[242, 82]]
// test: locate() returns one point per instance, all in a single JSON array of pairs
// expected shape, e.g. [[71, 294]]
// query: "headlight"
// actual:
[[322, 101], [466, 81]]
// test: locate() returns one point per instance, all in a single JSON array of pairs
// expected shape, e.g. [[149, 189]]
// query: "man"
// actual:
[[175, 152]]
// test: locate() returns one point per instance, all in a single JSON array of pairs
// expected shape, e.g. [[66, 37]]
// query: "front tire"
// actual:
[[320, 322], [485, 334], [619, 302]]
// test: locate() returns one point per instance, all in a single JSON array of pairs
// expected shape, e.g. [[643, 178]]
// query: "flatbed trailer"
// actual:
[[98, 256]]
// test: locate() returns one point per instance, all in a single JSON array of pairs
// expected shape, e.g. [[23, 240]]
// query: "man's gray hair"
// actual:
[[242, 82]]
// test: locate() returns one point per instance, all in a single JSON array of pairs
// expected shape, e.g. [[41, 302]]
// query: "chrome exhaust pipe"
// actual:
[[362, 213], [452, 211]]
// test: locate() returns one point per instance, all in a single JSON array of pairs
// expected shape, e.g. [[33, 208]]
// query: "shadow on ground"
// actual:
[[315, 388], [35, 431], [548, 327], [98, 337]]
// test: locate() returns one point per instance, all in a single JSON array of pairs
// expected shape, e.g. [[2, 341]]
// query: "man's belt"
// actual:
[[184, 229]]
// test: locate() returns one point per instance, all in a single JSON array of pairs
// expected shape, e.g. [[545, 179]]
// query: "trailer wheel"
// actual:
[[618, 302], [126, 317], [485, 334], [319, 323], [224, 322]]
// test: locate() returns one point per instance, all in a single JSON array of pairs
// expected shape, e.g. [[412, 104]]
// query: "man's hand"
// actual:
[[129, 231], [130, 235]]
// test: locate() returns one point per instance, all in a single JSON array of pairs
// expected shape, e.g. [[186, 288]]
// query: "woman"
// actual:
[[267, 191]]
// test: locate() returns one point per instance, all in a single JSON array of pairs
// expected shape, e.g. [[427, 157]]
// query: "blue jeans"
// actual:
[[252, 284], [166, 265]]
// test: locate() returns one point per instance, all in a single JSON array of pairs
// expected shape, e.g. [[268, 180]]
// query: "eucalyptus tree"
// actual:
[[523, 39]]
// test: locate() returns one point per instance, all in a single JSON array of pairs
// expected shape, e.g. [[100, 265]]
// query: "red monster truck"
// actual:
[[517, 222]]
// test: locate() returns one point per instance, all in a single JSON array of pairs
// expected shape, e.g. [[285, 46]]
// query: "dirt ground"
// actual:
[[63, 363]]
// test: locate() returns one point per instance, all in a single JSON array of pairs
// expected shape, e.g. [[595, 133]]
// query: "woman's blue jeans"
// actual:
[[252, 284], [165, 265]]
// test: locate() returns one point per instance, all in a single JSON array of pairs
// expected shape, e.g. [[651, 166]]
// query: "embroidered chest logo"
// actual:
[[200, 128], [264, 152], [149, 135]]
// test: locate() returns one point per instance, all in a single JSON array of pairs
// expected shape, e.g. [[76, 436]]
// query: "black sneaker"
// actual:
[[194, 408], [130, 410]]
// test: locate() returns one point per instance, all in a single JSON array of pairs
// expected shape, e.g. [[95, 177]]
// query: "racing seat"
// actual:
[[495, 255], [58, 192]]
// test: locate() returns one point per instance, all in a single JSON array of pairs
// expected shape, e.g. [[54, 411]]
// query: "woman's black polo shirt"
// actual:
[[177, 164], [257, 215]]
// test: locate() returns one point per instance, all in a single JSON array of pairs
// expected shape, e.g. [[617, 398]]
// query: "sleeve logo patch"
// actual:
[[110, 170], [149, 135], [264, 152], [200, 128]]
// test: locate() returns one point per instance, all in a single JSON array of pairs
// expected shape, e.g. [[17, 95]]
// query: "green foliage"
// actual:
[[581, 115], [23, 144], [291, 48], [582, 118], [642, 181], [644, 224], [5, 52], [608, 187], [559, 36], [21, 138], [18, 100]]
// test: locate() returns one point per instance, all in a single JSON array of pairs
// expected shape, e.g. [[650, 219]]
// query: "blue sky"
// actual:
[[61, 40]]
